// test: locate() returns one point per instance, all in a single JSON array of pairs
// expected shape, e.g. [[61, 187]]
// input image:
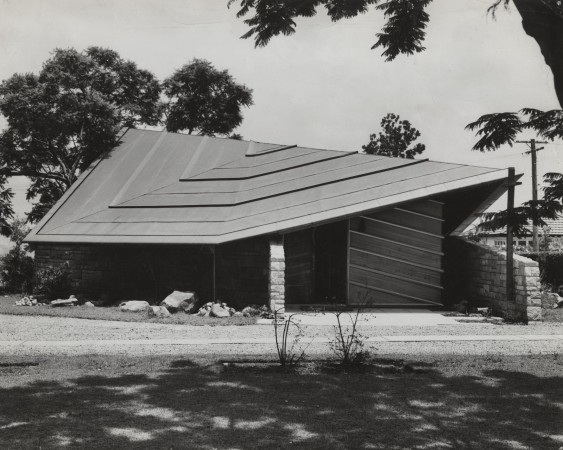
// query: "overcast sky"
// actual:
[[322, 87]]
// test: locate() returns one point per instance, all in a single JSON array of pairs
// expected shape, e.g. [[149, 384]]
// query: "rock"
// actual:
[[181, 301], [250, 311], [64, 302], [158, 311], [134, 306], [218, 311], [89, 305], [34, 302]]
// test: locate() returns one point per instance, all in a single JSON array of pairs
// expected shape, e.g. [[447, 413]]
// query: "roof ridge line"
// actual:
[[268, 173], [265, 197], [119, 197], [251, 152]]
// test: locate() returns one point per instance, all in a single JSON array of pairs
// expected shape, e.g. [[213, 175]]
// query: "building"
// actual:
[[249, 222], [553, 228]]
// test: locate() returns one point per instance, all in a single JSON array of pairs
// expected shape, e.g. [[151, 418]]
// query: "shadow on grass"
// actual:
[[188, 405]]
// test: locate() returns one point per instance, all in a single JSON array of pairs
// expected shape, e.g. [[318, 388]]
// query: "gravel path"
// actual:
[[23, 335]]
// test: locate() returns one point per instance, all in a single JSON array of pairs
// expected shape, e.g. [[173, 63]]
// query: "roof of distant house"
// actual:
[[159, 187]]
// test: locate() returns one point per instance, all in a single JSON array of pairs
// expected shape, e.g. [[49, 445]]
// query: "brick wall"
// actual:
[[151, 272], [477, 273]]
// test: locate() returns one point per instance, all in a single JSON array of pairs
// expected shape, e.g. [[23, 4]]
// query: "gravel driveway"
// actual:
[[37, 335]]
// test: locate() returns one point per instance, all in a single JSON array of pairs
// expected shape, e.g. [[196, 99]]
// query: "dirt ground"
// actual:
[[75, 383]]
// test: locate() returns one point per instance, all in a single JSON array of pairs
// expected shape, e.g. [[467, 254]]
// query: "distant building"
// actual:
[[554, 228]]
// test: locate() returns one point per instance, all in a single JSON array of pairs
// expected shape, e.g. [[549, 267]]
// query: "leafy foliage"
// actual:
[[403, 32], [204, 100], [52, 282], [17, 265], [68, 115], [503, 128], [395, 140], [551, 267]]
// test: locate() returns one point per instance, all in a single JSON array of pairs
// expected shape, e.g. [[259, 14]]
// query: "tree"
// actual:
[[68, 115], [406, 22], [395, 140], [500, 129], [204, 100]]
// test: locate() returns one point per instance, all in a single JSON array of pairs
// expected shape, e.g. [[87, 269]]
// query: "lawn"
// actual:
[[7, 306], [452, 402]]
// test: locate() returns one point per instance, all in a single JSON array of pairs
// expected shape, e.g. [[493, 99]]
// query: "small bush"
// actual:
[[551, 266], [17, 271], [52, 282], [290, 353], [348, 343]]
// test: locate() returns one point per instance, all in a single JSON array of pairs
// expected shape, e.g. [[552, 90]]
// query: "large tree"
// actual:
[[62, 119], [70, 114], [406, 22], [204, 100], [395, 139]]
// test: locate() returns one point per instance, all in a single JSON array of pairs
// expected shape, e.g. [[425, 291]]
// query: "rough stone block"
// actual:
[[533, 313], [277, 265]]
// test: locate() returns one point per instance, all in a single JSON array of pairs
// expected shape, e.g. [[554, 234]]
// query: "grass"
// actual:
[[7, 306], [495, 402]]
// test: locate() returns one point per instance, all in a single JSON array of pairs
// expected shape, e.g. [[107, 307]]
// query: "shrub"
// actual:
[[348, 343], [52, 282], [17, 271], [17, 266], [289, 352], [551, 266]]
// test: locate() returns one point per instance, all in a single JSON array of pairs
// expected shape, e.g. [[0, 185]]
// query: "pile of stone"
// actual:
[[27, 301], [257, 311], [217, 309], [176, 302]]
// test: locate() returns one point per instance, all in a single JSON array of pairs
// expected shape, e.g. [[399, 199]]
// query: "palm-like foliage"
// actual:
[[500, 129], [403, 32]]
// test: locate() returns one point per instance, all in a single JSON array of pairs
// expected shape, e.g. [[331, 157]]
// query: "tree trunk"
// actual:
[[543, 20]]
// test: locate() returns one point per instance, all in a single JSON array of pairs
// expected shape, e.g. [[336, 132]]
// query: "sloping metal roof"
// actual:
[[158, 187]]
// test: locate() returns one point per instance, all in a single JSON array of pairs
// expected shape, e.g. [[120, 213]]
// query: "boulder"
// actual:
[[181, 301], [65, 302], [89, 305], [158, 311], [217, 310], [134, 306]]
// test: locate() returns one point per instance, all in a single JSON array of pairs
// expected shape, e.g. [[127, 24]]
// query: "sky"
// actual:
[[322, 87]]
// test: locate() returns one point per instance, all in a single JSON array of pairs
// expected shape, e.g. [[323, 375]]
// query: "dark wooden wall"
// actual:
[[395, 256]]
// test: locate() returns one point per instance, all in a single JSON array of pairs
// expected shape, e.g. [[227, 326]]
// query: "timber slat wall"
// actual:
[[395, 256], [299, 263]]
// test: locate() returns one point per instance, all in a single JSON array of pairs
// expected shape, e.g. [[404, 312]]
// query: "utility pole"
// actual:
[[510, 184], [533, 151]]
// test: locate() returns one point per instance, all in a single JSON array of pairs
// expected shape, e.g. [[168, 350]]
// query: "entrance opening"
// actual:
[[315, 265]]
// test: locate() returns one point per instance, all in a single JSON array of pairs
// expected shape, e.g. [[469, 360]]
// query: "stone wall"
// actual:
[[276, 285], [477, 273], [150, 272]]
